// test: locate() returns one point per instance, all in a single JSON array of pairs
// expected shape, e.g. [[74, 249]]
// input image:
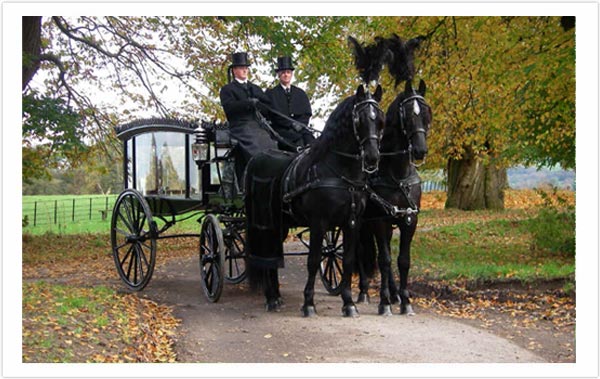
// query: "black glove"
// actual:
[[261, 106]]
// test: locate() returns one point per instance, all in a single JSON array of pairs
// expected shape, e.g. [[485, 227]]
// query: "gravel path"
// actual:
[[238, 330]]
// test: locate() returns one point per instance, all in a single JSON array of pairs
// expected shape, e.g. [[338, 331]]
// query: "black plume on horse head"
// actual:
[[401, 65], [369, 60]]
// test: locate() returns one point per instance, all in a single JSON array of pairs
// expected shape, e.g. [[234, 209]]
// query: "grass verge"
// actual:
[[484, 245], [63, 323]]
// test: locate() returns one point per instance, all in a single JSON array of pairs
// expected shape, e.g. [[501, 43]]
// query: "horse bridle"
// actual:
[[355, 122], [417, 110]]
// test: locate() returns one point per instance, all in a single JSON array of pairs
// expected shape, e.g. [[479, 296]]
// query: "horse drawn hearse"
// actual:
[[175, 170], [345, 193]]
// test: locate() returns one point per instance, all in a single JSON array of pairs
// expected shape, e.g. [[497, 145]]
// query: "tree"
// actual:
[[501, 88], [502, 91]]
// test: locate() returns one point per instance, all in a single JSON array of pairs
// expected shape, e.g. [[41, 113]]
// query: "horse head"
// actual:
[[414, 118], [368, 122]]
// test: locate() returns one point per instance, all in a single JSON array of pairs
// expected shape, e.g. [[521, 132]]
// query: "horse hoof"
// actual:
[[384, 310], [407, 310], [273, 307], [350, 311], [309, 311], [363, 298]]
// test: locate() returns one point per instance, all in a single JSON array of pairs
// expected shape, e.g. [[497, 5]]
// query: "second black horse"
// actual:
[[395, 197]]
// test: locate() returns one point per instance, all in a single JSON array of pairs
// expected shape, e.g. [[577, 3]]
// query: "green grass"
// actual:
[[84, 218], [65, 214], [484, 249]]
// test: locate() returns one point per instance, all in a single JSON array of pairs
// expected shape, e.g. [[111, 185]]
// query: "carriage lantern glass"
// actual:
[[200, 149]]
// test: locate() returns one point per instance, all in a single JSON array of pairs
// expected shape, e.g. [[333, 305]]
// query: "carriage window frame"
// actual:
[[131, 165]]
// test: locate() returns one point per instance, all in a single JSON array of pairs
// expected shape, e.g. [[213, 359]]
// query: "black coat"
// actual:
[[240, 112], [295, 105]]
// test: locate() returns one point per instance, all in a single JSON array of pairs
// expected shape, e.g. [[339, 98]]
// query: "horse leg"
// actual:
[[383, 236], [350, 244], [365, 251], [406, 235], [313, 260], [273, 303], [363, 284]]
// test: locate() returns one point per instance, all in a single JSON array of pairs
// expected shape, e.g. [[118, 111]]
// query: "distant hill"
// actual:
[[530, 177]]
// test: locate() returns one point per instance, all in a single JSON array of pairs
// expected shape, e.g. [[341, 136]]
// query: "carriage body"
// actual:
[[173, 171], [179, 167]]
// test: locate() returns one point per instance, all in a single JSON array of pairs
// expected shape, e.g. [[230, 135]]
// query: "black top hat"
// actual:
[[239, 59], [284, 63]]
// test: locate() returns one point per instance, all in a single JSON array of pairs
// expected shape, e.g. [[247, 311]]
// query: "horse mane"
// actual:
[[401, 66], [335, 127]]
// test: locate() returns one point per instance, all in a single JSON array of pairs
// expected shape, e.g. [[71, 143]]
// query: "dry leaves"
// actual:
[[70, 324]]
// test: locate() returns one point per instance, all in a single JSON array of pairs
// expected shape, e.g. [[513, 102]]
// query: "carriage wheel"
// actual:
[[212, 258], [330, 268], [133, 239], [235, 256]]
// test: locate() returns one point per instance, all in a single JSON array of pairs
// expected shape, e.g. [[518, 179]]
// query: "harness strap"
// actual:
[[347, 155], [403, 185], [391, 153]]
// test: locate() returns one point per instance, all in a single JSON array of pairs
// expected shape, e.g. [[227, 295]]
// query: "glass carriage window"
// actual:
[[160, 165]]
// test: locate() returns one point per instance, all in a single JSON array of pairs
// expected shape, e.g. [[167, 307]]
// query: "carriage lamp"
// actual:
[[200, 148]]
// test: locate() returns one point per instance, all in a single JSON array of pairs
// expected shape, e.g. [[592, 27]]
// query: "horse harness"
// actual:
[[291, 188], [404, 185], [355, 120]]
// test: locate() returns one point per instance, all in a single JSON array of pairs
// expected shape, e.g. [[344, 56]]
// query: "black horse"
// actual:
[[396, 197], [321, 188]]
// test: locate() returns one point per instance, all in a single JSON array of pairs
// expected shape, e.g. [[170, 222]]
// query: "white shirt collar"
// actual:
[[241, 81], [284, 87]]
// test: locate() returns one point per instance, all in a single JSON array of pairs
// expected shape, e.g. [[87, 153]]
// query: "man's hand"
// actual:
[[257, 104]]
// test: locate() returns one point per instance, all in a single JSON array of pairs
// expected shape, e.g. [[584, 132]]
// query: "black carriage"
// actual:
[[175, 170]]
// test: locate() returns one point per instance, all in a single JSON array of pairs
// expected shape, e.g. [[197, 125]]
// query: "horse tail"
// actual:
[[260, 269], [367, 252]]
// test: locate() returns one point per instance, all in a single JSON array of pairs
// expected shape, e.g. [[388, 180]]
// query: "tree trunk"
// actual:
[[475, 185], [32, 31]]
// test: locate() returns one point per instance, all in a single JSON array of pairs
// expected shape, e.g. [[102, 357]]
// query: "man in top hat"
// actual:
[[241, 100], [293, 102]]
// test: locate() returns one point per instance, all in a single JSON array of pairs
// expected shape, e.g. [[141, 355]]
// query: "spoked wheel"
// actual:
[[235, 248], [212, 258], [330, 268], [133, 239]]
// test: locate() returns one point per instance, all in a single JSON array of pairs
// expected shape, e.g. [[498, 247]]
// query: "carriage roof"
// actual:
[[127, 131]]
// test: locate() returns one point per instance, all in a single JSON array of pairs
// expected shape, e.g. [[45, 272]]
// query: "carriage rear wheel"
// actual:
[[330, 269], [133, 238], [235, 257], [234, 236], [212, 258]]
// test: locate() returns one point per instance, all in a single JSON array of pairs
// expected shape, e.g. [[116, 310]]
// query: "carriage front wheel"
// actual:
[[212, 258], [133, 239], [332, 257]]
